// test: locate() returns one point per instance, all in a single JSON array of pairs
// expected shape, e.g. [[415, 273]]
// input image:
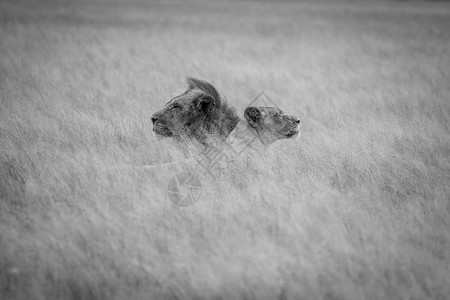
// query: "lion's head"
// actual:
[[272, 124], [197, 114]]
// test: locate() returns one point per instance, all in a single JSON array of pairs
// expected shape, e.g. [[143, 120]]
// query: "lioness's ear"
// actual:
[[205, 102], [253, 116]]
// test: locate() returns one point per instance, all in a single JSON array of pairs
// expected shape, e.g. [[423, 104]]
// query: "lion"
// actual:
[[199, 114]]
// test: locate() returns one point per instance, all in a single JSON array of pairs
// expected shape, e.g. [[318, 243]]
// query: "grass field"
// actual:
[[357, 207]]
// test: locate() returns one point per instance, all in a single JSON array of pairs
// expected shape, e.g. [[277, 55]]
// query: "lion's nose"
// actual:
[[154, 119], [297, 121]]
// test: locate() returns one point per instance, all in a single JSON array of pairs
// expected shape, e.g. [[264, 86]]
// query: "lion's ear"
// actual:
[[205, 102], [253, 116]]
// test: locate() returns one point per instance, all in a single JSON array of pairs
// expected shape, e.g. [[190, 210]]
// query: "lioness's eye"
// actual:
[[175, 106]]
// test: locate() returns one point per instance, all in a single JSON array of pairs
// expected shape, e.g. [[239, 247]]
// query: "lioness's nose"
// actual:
[[297, 121], [154, 119]]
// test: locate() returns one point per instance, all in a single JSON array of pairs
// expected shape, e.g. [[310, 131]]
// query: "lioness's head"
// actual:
[[272, 124], [196, 114]]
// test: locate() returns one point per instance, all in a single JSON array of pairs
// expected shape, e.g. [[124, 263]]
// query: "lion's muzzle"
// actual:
[[161, 129]]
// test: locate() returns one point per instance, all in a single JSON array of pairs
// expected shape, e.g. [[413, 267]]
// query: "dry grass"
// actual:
[[358, 207]]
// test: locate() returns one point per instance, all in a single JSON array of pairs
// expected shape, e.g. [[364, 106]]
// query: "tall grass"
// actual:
[[358, 207]]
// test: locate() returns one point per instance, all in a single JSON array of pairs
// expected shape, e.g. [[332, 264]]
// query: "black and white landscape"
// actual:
[[356, 207]]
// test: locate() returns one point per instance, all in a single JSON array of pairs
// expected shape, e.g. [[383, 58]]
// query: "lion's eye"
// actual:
[[278, 116], [175, 106]]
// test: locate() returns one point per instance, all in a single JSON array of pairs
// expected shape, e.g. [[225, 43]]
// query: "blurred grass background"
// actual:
[[357, 207]]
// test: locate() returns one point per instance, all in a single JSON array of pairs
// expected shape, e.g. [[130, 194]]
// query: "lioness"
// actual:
[[261, 127], [272, 124]]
